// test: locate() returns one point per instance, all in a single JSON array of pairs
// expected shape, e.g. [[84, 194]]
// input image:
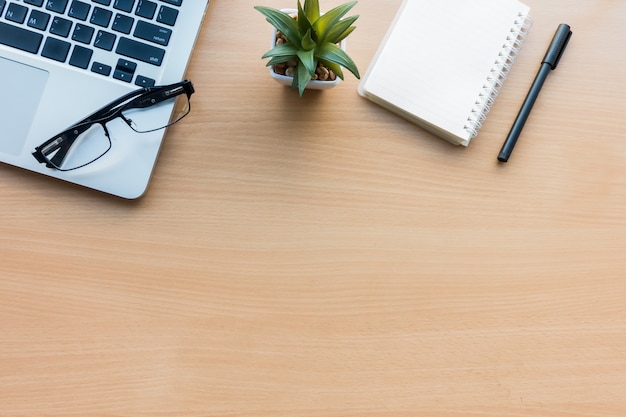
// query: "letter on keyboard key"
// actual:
[[79, 10], [19, 38], [60, 26], [153, 33], [16, 13], [141, 51], [38, 20], [57, 5]]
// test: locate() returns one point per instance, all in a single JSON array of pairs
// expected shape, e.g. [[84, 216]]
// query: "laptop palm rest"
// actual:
[[22, 91]]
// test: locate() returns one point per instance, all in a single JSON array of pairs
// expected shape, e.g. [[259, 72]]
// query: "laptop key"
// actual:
[[124, 70], [16, 13], [37, 3], [101, 17], [124, 5], [81, 56], [174, 2], [167, 16], [79, 10], [122, 23], [142, 81], [83, 33], [153, 33], [57, 6], [140, 51], [38, 20], [17, 37], [104, 40], [146, 8], [56, 49], [61, 27], [100, 68]]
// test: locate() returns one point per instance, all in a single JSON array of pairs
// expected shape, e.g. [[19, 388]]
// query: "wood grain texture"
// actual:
[[319, 256]]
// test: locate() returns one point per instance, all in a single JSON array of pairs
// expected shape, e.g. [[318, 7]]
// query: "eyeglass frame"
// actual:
[[141, 98]]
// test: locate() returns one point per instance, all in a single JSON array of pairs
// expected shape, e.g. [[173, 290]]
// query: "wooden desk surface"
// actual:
[[322, 257]]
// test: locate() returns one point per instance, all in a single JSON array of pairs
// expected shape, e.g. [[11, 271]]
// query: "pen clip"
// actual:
[[557, 46]]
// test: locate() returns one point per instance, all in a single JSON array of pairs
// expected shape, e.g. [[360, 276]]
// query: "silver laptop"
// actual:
[[62, 60]]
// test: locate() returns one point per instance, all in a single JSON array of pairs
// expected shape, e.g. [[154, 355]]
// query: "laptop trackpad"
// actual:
[[22, 87]]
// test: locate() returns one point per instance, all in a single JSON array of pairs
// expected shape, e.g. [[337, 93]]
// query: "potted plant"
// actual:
[[306, 47]]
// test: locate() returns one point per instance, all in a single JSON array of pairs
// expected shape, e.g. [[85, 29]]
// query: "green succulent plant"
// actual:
[[312, 39]]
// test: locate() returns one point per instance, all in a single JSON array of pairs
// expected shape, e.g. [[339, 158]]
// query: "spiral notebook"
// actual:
[[442, 63]]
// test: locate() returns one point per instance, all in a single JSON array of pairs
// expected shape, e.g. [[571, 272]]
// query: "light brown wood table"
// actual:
[[319, 256]]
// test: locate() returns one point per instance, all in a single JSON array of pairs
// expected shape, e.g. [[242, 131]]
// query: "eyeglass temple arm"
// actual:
[[156, 95], [143, 96], [59, 144]]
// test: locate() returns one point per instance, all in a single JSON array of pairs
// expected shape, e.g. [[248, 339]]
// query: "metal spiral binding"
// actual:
[[498, 73]]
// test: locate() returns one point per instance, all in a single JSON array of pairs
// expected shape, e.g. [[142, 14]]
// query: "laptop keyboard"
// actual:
[[70, 31]]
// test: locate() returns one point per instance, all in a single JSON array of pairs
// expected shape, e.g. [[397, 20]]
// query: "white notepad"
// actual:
[[443, 62]]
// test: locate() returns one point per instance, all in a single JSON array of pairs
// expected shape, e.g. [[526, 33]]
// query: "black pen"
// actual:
[[550, 61]]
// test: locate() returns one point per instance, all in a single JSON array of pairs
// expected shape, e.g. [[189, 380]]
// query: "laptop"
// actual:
[[62, 60]]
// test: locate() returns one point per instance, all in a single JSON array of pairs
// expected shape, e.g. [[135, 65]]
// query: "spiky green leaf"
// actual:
[[280, 60], [332, 53], [303, 78], [284, 50], [307, 41], [280, 54], [307, 58], [342, 29], [294, 82], [312, 9], [282, 22], [304, 24], [326, 22]]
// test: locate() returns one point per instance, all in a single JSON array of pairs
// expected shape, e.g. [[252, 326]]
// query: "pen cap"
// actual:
[[557, 46]]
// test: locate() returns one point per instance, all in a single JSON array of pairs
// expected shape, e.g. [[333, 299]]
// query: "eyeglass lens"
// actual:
[[151, 118], [86, 148]]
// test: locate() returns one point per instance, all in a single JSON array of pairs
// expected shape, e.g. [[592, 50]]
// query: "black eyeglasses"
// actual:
[[89, 140]]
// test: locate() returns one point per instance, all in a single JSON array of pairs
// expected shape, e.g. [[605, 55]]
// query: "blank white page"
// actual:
[[437, 56]]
